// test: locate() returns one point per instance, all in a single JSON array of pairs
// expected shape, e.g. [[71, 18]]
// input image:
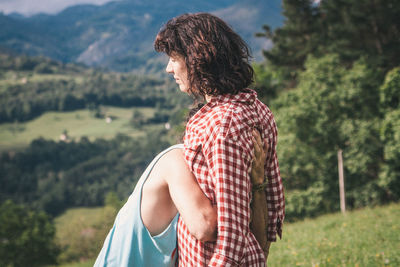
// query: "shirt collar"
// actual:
[[247, 96]]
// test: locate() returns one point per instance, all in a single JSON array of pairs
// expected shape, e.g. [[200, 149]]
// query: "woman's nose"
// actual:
[[169, 68]]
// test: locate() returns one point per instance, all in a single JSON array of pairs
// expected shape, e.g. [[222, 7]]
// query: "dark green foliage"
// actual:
[[112, 200], [27, 237], [56, 175], [306, 203], [389, 177], [296, 39], [269, 82], [332, 108], [358, 28], [37, 64], [390, 91], [350, 29]]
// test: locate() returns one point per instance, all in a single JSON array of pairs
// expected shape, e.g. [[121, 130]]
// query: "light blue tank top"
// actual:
[[129, 243]]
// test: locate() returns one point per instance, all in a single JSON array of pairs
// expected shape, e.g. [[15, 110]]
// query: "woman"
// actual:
[[208, 59], [144, 232]]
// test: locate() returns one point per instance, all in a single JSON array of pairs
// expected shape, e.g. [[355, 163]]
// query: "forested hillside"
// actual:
[[53, 176]]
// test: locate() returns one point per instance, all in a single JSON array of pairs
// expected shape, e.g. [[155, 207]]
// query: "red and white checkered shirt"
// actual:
[[219, 149]]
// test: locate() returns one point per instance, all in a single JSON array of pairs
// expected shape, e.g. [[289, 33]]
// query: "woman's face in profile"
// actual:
[[177, 67]]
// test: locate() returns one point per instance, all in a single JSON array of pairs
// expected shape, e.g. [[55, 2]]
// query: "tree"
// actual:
[[43, 68], [268, 82], [137, 119], [112, 200], [389, 177], [357, 28], [332, 108], [294, 41], [27, 237], [351, 29]]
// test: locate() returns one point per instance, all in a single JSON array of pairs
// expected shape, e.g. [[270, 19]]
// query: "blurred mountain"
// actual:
[[119, 35], [248, 17]]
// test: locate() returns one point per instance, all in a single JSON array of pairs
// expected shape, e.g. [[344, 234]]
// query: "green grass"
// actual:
[[88, 263], [368, 237], [80, 232], [77, 123], [82, 216]]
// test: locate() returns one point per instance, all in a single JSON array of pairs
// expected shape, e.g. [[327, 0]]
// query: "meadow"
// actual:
[[365, 237], [77, 124]]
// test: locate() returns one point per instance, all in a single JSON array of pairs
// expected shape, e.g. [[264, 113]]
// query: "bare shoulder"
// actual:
[[173, 156], [174, 164], [173, 159], [175, 153]]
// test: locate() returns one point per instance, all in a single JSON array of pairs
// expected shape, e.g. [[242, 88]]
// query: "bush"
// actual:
[[27, 237]]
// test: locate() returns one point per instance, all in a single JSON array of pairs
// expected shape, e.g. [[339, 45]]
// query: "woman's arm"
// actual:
[[259, 209], [195, 208]]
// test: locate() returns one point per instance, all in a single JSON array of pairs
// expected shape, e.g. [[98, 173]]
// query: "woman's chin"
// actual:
[[183, 88]]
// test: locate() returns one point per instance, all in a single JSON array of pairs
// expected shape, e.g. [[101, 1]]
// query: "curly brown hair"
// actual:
[[217, 58]]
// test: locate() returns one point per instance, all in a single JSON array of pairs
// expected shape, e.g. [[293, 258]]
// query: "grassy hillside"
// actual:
[[77, 123], [367, 237]]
